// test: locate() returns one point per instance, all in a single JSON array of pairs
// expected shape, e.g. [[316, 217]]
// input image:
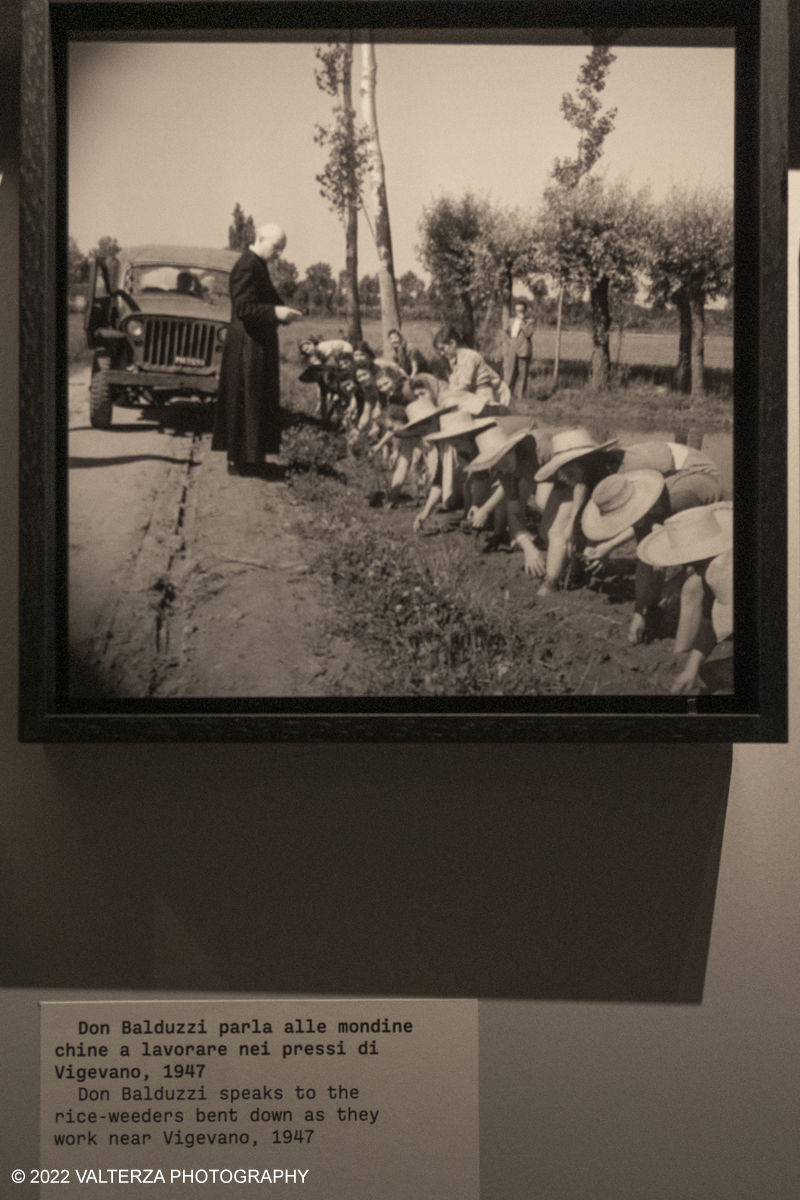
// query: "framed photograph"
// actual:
[[400, 372]]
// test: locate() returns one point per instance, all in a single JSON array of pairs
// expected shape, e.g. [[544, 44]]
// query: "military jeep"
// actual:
[[156, 318]]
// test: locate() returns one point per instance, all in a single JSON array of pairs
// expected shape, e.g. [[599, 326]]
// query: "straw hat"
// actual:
[[454, 424], [569, 445], [619, 501], [689, 536], [719, 578], [496, 441], [459, 397], [418, 412]]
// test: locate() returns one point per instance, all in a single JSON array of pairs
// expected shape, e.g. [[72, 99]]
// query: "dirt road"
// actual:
[[184, 581]]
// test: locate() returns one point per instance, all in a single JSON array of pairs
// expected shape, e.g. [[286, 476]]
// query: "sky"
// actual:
[[165, 138]]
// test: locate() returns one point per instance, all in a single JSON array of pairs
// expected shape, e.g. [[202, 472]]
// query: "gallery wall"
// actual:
[[629, 924]]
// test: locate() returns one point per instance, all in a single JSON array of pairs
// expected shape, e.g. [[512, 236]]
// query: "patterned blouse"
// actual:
[[471, 372]]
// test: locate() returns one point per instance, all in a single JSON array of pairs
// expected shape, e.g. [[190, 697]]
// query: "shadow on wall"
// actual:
[[535, 872]]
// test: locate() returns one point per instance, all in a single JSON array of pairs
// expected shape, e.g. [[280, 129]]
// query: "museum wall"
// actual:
[[629, 924]]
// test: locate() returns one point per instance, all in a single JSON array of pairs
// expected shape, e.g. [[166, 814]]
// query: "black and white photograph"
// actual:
[[401, 366]]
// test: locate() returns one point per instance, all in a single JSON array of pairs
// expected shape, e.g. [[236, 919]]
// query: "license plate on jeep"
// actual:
[[183, 360]]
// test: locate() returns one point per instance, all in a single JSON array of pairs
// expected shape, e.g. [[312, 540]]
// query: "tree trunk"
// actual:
[[697, 303], [352, 306], [683, 372], [601, 323], [390, 313], [557, 361], [508, 291], [467, 320]]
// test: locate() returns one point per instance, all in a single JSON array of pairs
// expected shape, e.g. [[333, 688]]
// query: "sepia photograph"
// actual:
[[400, 368]]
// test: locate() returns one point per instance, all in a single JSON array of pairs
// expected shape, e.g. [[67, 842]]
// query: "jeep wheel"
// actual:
[[100, 404]]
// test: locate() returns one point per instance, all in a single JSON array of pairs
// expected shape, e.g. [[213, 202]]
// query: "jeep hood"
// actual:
[[184, 307]]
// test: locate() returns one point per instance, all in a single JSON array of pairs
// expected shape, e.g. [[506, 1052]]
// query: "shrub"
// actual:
[[308, 447]]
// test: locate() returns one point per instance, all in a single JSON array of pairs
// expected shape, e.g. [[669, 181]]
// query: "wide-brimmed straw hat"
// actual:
[[454, 424], [569, 445], [496, 441], [619, 501], [418, 412], [689, 536], [459, 397]]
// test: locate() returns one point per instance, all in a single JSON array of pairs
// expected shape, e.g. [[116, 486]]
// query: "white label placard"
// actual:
[[344, 1099]]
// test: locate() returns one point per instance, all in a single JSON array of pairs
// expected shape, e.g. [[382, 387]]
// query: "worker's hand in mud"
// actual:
[[476, 517], [636, 629], [593, 554], [535, 560], [684, 683], [286, 315], [419, 521]]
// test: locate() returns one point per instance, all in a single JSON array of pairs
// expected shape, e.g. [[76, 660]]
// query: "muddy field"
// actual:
[[185, 582], [435, 614]]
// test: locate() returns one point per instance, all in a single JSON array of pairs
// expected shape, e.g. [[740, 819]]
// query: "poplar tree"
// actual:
[[376, 177], [242, 233], [594, 126], [341, 181]]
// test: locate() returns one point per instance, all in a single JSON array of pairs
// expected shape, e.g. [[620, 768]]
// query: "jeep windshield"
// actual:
[[205, 283]]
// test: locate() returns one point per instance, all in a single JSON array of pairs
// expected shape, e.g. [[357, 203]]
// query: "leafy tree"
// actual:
[[285, 277], [341, 181], [318, 289], [107, 247], [369, 291], [410, 289], [242, 233], [690, 261], [506, 251], [475, 253], [376, 179], [452, 232], [592, 237]]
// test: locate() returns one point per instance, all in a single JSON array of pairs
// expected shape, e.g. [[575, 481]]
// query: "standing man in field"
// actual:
[[517, 347], [247, 419]]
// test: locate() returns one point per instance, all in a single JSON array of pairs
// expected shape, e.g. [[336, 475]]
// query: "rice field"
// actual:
[[654, 349]]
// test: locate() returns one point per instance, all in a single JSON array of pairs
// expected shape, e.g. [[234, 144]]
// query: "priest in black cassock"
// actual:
[[247, 418]]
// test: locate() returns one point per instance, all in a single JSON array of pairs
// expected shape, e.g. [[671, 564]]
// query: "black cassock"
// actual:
[[247, 418]]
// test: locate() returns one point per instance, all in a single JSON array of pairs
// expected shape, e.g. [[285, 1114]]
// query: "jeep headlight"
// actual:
[[222, 333], [134, 328]]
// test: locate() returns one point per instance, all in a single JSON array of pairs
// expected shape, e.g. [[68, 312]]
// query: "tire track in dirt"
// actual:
[[249, 610], [185, 581], [130, 642]]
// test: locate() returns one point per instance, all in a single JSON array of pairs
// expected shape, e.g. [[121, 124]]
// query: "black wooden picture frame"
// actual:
[[758, 709]]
